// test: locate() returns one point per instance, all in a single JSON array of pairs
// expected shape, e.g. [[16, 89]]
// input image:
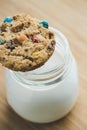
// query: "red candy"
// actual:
[[35, 39]]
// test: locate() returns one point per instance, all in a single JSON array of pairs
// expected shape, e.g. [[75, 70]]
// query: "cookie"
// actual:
[[25, 42]]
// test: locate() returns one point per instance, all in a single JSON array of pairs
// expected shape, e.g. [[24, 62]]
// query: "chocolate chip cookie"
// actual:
[[25, 42]]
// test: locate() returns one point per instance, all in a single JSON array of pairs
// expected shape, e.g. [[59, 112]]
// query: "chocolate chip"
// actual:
[[28, 36], [3, 29], [26, 50], [51, 46], [3, 59], [30, 58], [17, 28], [16, 41], [11, 25], [30, 65], [53, 43], [2, 34], [10, 46], [22, 25], [50, 35], [26, 24], [11, 65], [16, 17]]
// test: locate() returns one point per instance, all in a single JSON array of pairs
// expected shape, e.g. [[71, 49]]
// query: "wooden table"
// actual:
[[70, 17]]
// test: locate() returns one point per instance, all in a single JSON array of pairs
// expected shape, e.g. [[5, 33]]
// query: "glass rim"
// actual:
[[56, 71]]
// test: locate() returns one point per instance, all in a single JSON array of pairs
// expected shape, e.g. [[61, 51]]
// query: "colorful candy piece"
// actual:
[[8, 19], [23, 38], [44, 23], [36, 54], [35, 39], [1, 42]]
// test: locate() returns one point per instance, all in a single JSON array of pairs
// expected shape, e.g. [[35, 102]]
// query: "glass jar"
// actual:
[[48, 93]]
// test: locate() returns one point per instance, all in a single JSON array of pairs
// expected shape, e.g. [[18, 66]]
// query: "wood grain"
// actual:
[[70, 17]]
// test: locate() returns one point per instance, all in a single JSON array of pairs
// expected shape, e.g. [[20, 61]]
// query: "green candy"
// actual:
[[1, 42], [44, 23], [8, 19]]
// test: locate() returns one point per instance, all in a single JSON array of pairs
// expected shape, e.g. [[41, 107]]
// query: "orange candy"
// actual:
[[23, 38]]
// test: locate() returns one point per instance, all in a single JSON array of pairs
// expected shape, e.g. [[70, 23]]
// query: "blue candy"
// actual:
[[1, 42], [44, 23], [8, 19]]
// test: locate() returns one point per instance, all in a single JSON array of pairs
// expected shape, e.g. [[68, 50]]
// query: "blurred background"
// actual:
[[70, 17]]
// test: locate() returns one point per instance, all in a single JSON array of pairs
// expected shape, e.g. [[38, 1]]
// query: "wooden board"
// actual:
[[70, 17]]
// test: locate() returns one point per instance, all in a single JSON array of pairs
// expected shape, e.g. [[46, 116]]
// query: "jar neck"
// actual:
[[56, 67]]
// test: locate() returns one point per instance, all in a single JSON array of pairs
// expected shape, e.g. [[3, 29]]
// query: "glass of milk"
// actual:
[[48, 93]]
